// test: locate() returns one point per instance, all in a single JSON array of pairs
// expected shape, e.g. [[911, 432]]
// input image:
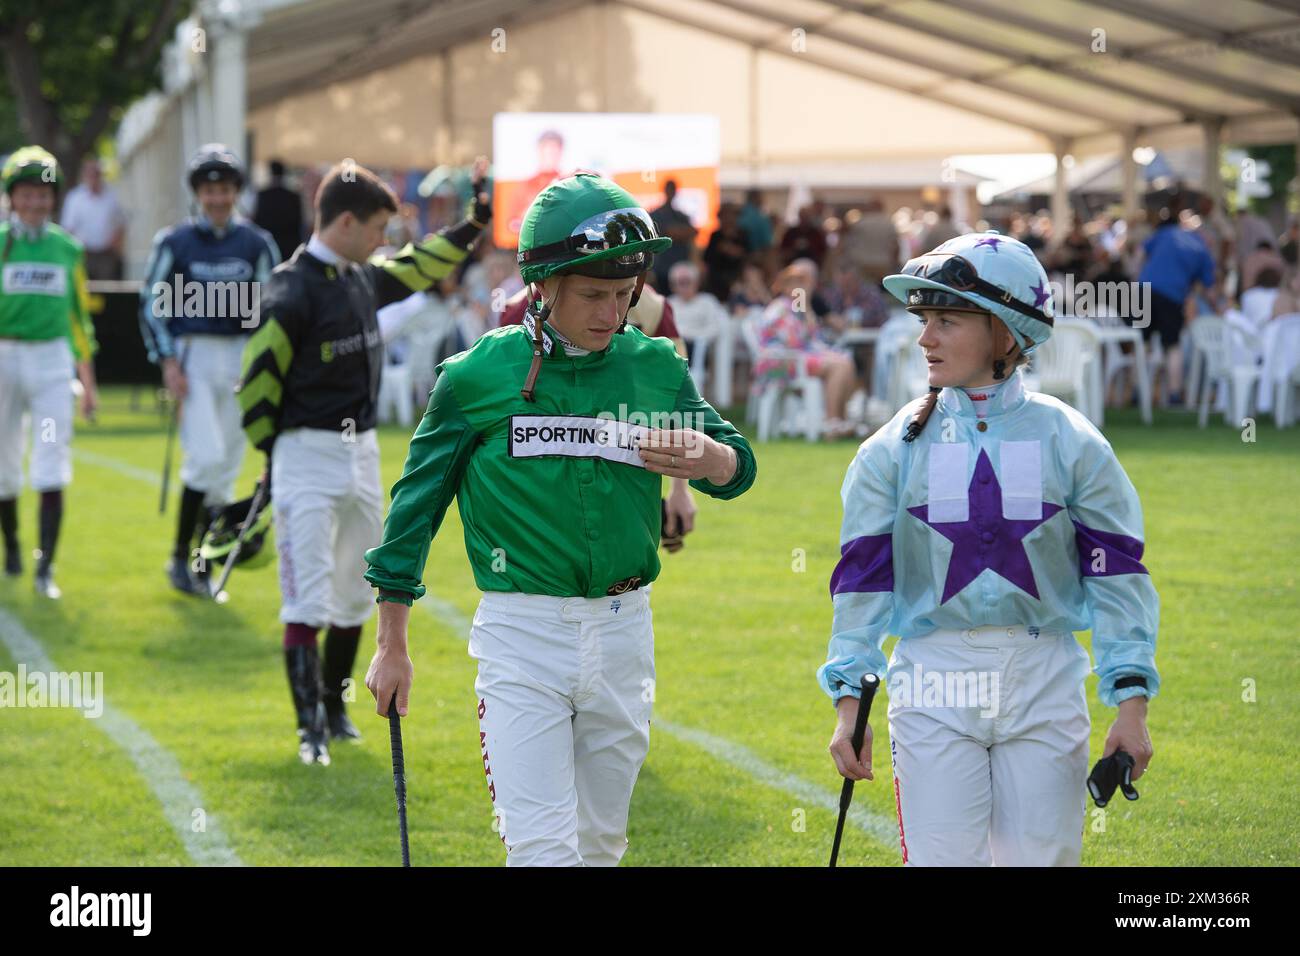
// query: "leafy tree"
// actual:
[[71, 67]]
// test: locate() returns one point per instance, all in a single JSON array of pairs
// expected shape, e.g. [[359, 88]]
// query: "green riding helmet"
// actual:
[[584, 225], [31, 164], [219, 539], [587, 225]]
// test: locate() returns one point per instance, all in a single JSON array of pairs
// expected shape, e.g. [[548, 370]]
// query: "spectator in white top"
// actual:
[[699, 315], [92, 214]]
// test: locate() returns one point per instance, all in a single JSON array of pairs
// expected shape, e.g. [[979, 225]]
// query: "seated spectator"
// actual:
[[726, 253], [855, 300], [750, 290], [1257, 302], [788, 322], [1264, 256], [699, 315]]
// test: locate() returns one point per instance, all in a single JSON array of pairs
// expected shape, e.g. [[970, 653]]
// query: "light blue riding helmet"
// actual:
[[987, 270]]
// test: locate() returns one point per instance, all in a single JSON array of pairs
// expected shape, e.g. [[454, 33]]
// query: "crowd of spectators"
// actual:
[[810, 280]]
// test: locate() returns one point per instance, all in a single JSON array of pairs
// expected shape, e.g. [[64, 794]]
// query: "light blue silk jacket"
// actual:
[[1029, 520]]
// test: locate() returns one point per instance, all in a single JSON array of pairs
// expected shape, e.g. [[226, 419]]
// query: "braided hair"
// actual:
[[922, 414]]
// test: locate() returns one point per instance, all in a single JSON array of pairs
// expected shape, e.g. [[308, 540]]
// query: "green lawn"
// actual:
[[739, 635]]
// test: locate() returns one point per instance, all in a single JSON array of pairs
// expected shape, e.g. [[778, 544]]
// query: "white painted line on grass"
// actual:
[[882, 828], [156, 764], [122, 468]]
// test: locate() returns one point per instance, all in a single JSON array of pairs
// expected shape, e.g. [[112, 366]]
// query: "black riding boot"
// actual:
[[303, 667], [340, 656], [9, 528], [51, 517]]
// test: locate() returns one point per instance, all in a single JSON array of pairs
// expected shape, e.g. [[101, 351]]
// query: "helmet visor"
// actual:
[[603, 231]]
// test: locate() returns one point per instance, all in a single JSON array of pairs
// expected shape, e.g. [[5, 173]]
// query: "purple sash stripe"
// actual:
[[1120, 554], [866, 564]]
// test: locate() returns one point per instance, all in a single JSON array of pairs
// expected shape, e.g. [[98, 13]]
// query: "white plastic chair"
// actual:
[[1223, 357], [1062, 365], [1280, 343], [781, 407]]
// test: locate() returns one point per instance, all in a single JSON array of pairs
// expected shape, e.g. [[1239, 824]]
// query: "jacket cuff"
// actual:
[[394, 597]]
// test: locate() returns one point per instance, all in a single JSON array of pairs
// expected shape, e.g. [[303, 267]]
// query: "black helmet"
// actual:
[[215, 163]]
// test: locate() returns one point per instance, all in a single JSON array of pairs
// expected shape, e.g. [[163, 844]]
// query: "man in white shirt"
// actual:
[[92, 214]]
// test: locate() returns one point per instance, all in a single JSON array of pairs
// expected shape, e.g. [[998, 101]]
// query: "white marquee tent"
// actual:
[[831, 89]]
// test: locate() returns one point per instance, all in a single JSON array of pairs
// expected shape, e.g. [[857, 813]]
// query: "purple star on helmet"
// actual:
[[986, 541], [1041, 294], [989, 241]]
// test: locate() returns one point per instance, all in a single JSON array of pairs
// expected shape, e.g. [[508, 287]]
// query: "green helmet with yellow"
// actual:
[[584, 225], [31, 164]]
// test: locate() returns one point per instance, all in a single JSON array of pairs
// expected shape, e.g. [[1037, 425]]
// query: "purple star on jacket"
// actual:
[[986, 540]]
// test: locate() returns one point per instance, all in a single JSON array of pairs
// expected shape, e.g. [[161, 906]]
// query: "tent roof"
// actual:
[[1066, 70]]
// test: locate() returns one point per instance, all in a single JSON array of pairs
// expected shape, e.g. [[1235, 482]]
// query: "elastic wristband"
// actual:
[[1131, 682], [394, 597]]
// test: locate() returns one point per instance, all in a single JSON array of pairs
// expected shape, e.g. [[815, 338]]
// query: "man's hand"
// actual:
[[679, 516], [850, 765], [89, 390], [1129, 734], [177, 385], [390, 669], [686, 453]]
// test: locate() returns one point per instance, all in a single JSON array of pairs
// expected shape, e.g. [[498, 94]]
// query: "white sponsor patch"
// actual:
[[35, 278], [1022, 480], [948, 479], [536, 436]]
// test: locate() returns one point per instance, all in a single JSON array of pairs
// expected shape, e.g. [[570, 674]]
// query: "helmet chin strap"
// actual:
[[529, 391]]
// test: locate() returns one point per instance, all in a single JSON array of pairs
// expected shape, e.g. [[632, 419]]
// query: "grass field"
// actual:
[[738, 753]]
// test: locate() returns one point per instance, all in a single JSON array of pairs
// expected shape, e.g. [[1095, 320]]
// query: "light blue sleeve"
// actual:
[[154, 318], [1122, 602], [862, 584]]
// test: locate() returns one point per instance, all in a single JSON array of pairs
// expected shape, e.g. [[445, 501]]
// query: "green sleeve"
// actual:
[[82, 327], [435, 463], [698, 414]]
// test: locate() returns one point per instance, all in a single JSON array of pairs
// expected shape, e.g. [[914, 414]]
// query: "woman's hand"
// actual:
[[850, 765], [1129, 734]]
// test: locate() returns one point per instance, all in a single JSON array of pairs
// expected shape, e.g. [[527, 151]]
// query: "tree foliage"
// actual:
[[71, 67]]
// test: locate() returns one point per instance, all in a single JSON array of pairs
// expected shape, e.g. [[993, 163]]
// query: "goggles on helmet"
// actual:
[[958, 274]]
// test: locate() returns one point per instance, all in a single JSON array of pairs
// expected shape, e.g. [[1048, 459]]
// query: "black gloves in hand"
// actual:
[[481, 205], [1109, 773], [673, 542]]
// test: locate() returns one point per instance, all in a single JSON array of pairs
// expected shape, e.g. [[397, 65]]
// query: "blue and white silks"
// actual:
[[1031, 521]]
